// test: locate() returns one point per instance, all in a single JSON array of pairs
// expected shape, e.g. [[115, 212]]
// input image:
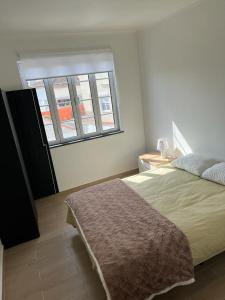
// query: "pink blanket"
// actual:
[[140, 253]]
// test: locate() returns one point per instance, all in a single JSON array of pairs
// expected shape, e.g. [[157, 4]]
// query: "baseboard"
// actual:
[[120, 175], [1, 271]]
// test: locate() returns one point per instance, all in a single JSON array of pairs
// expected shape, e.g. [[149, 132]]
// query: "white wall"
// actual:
[[88, 161], [183, 75]]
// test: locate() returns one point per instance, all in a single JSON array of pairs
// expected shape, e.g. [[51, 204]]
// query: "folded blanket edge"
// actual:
[[97, 267]]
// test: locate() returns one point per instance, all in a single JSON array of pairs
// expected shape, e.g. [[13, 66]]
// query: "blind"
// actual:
[[44, 66]]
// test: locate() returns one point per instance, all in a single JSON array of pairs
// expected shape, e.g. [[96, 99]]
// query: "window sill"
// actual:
[[86, 139]]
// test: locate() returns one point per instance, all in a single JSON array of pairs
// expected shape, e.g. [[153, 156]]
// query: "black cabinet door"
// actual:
[[29, 126], [18, 219]]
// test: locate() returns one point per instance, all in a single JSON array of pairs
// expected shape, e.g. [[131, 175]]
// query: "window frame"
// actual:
[[81, 136]]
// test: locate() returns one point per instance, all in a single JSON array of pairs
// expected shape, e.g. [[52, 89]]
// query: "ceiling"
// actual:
[[77, 16]]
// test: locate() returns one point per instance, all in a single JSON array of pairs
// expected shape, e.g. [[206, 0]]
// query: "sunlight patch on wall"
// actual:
[[181, 146]]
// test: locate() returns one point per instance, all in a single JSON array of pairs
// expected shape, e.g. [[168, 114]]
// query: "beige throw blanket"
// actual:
[[139, 252]]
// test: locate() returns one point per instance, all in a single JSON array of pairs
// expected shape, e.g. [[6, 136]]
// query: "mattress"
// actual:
[[195, 205]]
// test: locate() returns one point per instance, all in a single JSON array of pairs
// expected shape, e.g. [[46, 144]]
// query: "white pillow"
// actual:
[[216, 173], [193, 163]]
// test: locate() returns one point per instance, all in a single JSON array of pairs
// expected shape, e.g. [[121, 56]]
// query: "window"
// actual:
[[77, 107]]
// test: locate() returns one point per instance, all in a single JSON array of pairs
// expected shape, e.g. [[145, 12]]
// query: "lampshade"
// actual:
[[162, 144]]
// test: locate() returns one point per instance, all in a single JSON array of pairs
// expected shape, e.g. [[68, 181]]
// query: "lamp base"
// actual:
[[163, 154]]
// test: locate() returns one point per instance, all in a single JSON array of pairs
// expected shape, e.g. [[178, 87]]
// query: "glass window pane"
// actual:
[[105, 105], [82, 88], [46, 115], [68, 128], [65, 112], [86, 108], [50, 133], [103, 87], [40, 89], [61, 91], [107, 121], [83, 77], [101, 75], [67, 121], [64, 106], [88, 125], [45, 109]]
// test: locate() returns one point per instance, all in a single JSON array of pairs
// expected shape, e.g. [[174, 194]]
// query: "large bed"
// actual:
[[196, 206]]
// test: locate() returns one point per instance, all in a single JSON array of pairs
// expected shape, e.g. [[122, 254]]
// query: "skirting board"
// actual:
[[1, 271]]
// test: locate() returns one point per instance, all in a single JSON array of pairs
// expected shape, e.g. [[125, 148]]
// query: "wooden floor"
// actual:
[[56, 266]]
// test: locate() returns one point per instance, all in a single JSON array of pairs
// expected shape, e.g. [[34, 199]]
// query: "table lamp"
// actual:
[[162, 146]]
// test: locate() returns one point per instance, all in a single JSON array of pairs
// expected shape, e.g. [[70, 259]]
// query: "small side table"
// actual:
[[152, 160]]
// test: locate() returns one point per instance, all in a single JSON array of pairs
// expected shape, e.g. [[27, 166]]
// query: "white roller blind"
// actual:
[[45, 66]]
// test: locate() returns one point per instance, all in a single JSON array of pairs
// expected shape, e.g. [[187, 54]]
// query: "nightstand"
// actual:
[[152, 160]]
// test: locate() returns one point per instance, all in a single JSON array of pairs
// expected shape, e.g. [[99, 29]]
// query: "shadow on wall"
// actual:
[[180, 145]]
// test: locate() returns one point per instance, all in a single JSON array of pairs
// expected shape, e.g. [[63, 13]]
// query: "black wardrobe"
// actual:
[[29, 126], [27, 171]]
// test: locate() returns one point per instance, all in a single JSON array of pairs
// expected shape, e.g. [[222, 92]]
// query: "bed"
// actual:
[[195, 205]]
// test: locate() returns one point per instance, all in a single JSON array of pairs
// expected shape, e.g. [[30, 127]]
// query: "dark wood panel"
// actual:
[[18, 219], [33, 141]]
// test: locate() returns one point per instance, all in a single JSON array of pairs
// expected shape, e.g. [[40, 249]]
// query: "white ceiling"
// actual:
[[84, 15]]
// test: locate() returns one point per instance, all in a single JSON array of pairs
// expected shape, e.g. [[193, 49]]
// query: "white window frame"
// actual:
[[60, 140]]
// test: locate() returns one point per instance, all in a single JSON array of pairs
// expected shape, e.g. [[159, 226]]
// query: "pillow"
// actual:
[[193, 163], [216, 173]]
